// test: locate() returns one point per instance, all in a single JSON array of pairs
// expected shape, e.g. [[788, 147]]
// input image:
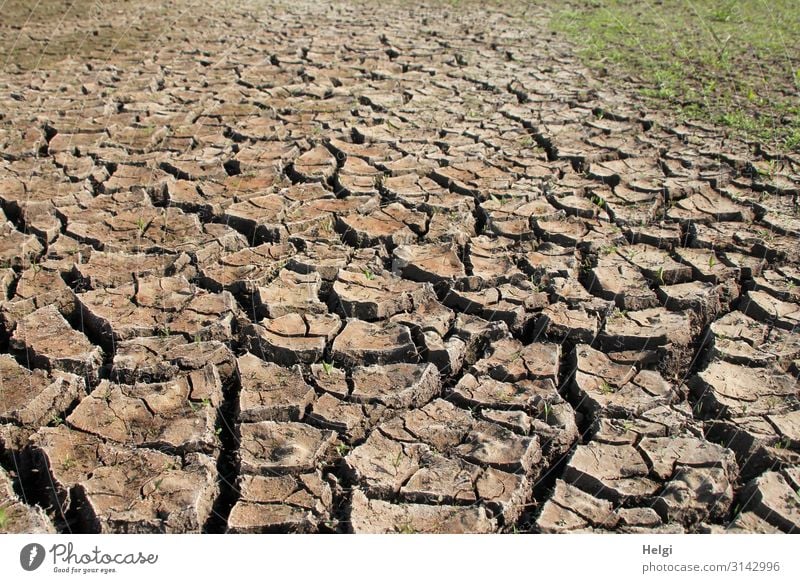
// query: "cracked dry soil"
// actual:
[[376, 267]]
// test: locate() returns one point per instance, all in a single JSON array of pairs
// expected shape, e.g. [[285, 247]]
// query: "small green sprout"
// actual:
[[397, 460], [406, 528], [783, 443]]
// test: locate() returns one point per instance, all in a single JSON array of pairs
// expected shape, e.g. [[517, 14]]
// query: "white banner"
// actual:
[[406, 558]]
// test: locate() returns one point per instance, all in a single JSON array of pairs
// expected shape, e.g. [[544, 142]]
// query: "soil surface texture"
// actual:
[[378, 267]]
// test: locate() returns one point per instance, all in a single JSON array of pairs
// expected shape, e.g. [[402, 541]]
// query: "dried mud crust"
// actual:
[[424, 280]]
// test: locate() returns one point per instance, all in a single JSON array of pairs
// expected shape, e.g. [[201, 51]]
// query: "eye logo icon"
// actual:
[[31, 556]]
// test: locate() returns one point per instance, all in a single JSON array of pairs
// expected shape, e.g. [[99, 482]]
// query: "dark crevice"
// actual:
[[228, 468]]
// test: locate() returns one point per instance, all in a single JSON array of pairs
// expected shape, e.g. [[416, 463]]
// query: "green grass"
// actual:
[[731, 62]]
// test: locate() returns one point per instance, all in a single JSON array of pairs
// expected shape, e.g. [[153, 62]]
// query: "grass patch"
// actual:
[[731, 62]]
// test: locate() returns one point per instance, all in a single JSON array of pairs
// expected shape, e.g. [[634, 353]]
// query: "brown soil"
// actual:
[[367, 267]]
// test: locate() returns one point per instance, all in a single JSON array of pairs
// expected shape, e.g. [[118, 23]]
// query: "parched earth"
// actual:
[[383, 267]]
